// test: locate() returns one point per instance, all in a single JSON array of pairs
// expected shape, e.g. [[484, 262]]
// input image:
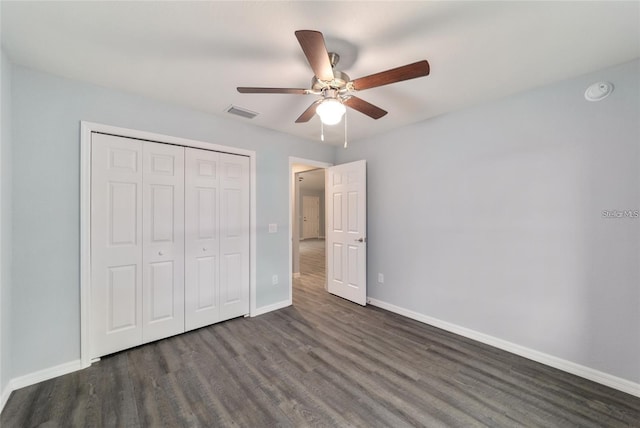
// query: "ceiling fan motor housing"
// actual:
[[339, 82]]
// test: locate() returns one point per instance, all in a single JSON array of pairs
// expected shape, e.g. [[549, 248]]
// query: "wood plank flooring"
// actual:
[[323, 362]]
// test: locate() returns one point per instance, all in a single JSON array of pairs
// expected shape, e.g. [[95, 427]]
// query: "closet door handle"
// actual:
[[160, 253]]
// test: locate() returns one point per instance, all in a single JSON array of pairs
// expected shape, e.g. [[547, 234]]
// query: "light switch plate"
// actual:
[[273, 227]]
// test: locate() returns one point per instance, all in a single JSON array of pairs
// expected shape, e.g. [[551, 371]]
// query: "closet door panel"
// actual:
[[163, 241], [202, 256], [234, 236], [116, 244]]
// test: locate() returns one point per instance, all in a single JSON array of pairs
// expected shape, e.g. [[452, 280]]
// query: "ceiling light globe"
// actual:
[[331, 111]]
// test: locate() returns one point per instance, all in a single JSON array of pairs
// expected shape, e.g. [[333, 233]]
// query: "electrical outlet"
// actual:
[[380, 278], [274, 280]]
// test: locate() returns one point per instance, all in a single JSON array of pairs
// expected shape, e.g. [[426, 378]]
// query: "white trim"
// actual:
[[161, 138], [273, 307], [531, 354], [85, 214], [252, 234], [294, 160], [5, 396], [46, 374], [85, 240]]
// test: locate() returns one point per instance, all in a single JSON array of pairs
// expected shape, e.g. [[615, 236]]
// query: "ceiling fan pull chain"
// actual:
[[321, 131], [345, 129]]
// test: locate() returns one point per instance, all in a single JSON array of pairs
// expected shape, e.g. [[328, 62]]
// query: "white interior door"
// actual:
[[116, 243], [310, 217], [162, 241], [202, 241], [234, 236], [346, 200]]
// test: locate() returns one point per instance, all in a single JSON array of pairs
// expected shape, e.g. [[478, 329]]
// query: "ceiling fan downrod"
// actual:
[[334, 58]]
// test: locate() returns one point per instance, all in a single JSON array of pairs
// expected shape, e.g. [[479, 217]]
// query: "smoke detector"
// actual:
[[598, 91]]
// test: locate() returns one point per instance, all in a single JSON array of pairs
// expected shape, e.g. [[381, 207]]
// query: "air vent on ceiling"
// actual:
[[242, 112]]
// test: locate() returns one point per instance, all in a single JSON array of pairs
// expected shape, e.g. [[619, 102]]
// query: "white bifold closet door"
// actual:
[[216, 241], [169, 240], [137, 231], [162, 241], [116, 243], [234, 236]]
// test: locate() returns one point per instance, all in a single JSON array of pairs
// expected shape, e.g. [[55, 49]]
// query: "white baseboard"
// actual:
[[39, 376], [273, 307], [540, 357], [5, 396], [46, 374]]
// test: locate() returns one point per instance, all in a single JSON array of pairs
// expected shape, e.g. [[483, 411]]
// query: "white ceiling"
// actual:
[[196, 53]]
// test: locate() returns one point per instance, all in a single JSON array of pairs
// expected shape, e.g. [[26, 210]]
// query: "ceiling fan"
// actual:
[[334, 88]]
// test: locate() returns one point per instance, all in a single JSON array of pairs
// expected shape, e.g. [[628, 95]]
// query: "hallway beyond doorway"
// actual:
[[312, 259]]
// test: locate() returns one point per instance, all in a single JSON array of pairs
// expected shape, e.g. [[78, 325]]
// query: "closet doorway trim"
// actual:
[[86, 129]]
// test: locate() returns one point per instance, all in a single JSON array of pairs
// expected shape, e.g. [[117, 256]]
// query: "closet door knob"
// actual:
[[204, 249], [160, 253]]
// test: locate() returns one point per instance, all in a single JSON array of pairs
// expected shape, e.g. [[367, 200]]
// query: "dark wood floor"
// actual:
[[322, 362]]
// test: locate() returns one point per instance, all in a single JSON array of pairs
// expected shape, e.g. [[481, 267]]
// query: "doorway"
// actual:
[[345, 263], [308, 225], [311, 217]]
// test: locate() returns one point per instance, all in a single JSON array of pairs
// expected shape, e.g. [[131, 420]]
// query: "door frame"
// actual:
[[86, 129], [292, 189]]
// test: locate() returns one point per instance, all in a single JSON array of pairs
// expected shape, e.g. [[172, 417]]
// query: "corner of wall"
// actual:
[[5, 228]]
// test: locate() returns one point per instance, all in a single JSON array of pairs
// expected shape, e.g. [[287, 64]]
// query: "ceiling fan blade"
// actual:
[[406, 72], [308, 113], [364, 107], [249, 90], [312, 43]]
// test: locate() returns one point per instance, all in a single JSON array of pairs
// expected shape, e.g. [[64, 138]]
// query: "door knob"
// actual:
[[204, 249], [160, 253], [360, 240]]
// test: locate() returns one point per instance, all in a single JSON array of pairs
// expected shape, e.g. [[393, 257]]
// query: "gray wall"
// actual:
[[5, 222], [46, 123], [491, 219]]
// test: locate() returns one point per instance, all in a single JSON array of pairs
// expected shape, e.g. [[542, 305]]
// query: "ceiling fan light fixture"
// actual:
[[331, 111]]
